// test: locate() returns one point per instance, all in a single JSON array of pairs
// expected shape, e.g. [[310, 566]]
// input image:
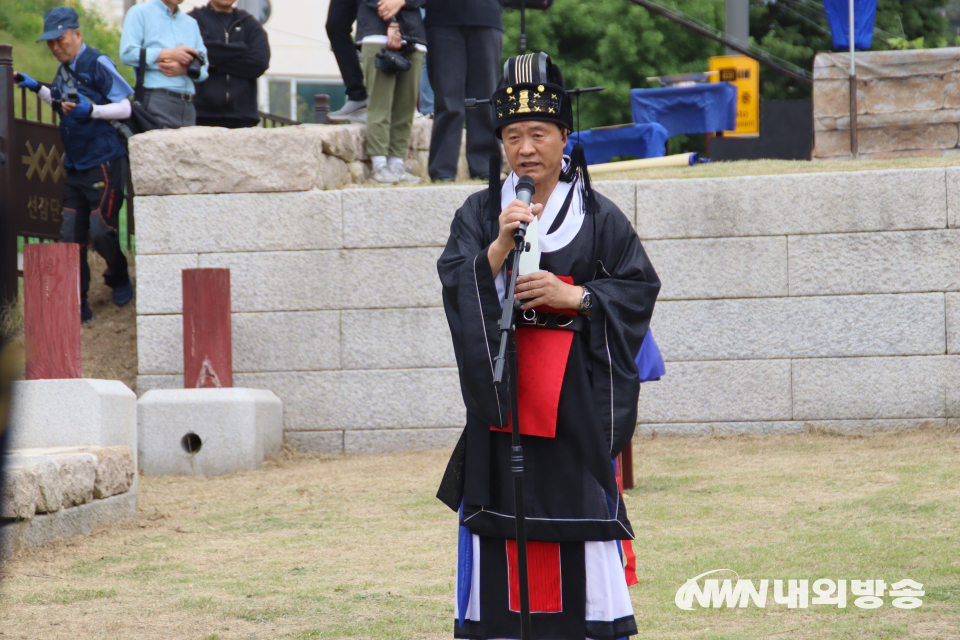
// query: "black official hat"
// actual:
[[531, 88], [57, 21]]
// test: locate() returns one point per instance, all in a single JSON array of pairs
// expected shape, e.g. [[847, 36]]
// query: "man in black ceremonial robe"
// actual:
[[588, 292]]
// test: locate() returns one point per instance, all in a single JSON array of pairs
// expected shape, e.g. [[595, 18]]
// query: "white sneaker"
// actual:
[[403, 175], [348, 108], [384, 175]]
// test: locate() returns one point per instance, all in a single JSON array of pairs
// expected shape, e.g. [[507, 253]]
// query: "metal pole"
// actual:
[[8, 237], [523, 27], [737, 22], [854, 153]]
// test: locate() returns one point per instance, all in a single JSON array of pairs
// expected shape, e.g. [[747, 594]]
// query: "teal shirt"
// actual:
[[153, 27]]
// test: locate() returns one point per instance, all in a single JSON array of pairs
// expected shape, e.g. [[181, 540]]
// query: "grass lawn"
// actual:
[[353, 547]]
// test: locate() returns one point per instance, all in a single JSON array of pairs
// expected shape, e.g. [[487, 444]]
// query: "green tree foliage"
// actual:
[[21, 23], [616, 44]]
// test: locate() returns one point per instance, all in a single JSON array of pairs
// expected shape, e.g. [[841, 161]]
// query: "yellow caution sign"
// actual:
[[745, 73]]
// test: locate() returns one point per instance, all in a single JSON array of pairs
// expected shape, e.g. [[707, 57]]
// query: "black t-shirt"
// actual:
[[464, 13]]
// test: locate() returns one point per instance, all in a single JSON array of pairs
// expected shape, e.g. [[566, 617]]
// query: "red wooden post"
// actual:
[[51, 310], [207, 343], [626, 465]]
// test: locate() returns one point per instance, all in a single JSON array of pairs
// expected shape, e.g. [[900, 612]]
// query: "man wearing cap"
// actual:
[[88, 93], [168, 40], [587, 292]]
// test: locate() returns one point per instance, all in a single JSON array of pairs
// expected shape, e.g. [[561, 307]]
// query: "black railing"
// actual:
[[269, 120]]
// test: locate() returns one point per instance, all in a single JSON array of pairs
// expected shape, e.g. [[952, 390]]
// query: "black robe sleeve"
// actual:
[[625, 289]]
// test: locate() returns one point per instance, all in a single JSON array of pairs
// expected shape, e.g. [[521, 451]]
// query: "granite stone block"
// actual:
[[872, 388], [161, 381], [20, 493], [414, 217], [78, 475], [793, 204], [722, 391], [829, 427], [953, 322], [396, 339], [855, 263], [160, 344], [321, 442], [807, 327], [50, 489], [622, 193], [160, 282], [239, 222], [384, 399], [720, 267], [953, 197], [116, 470], [380, 441]]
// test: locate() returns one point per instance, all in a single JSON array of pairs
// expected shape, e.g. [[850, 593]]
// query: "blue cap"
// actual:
[[58, 20]]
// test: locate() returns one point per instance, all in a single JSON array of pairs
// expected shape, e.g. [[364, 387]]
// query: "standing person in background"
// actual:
[[239, 53], [465, 42], [393, 25], [87, 93], [341, 14], [171, 42]]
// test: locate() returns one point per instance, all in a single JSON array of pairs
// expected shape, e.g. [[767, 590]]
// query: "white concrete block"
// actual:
[[720, 267], [953, 322], [723, 391], [396, 339], [78, 412], [792, 204], [385, 399], [160, 282], [809, 327], [379, 441], [208, 431], [322, 442], [416, 217], [392, 278], [225, 222], [896, 262], [871, 388], [623, 193]]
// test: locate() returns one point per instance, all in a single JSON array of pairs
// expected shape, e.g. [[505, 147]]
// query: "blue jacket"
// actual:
[[89, 142]]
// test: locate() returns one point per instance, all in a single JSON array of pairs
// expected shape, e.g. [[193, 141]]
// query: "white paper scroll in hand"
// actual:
[[530, 260]]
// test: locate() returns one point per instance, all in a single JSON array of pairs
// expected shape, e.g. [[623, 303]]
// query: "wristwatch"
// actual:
[[586, 301]]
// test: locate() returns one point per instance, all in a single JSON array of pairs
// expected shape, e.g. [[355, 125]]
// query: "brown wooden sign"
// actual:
[[38, 173]]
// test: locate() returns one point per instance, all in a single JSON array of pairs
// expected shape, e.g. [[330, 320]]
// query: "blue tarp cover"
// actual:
[[640, 140], [701, 108], [838, 17]]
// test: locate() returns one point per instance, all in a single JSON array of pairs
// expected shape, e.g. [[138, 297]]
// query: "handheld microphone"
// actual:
[[525, 189]]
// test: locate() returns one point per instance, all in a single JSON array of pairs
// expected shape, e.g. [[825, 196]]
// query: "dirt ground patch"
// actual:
[[350, 547]]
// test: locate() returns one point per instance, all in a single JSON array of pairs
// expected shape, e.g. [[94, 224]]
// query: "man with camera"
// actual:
[[167, 42], [87, 93], [239, 54]]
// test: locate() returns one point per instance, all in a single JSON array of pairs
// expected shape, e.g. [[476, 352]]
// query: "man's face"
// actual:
[[535, 148], [222, 6], [67, 46]]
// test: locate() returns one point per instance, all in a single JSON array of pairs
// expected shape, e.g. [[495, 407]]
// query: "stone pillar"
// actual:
[[51, 310], [207, 341]]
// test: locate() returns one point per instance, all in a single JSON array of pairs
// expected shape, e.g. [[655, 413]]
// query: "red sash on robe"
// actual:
[[542, 357]]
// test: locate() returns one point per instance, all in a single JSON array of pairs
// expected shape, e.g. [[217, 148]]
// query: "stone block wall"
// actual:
[[791, 302], [787, 301], [908, 103]]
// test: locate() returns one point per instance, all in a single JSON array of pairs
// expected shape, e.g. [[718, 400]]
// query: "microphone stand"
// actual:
[[508, 348]]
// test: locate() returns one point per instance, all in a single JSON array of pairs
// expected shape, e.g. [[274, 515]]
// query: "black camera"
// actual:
[[193, 69], [71, 95], [390, 61]]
